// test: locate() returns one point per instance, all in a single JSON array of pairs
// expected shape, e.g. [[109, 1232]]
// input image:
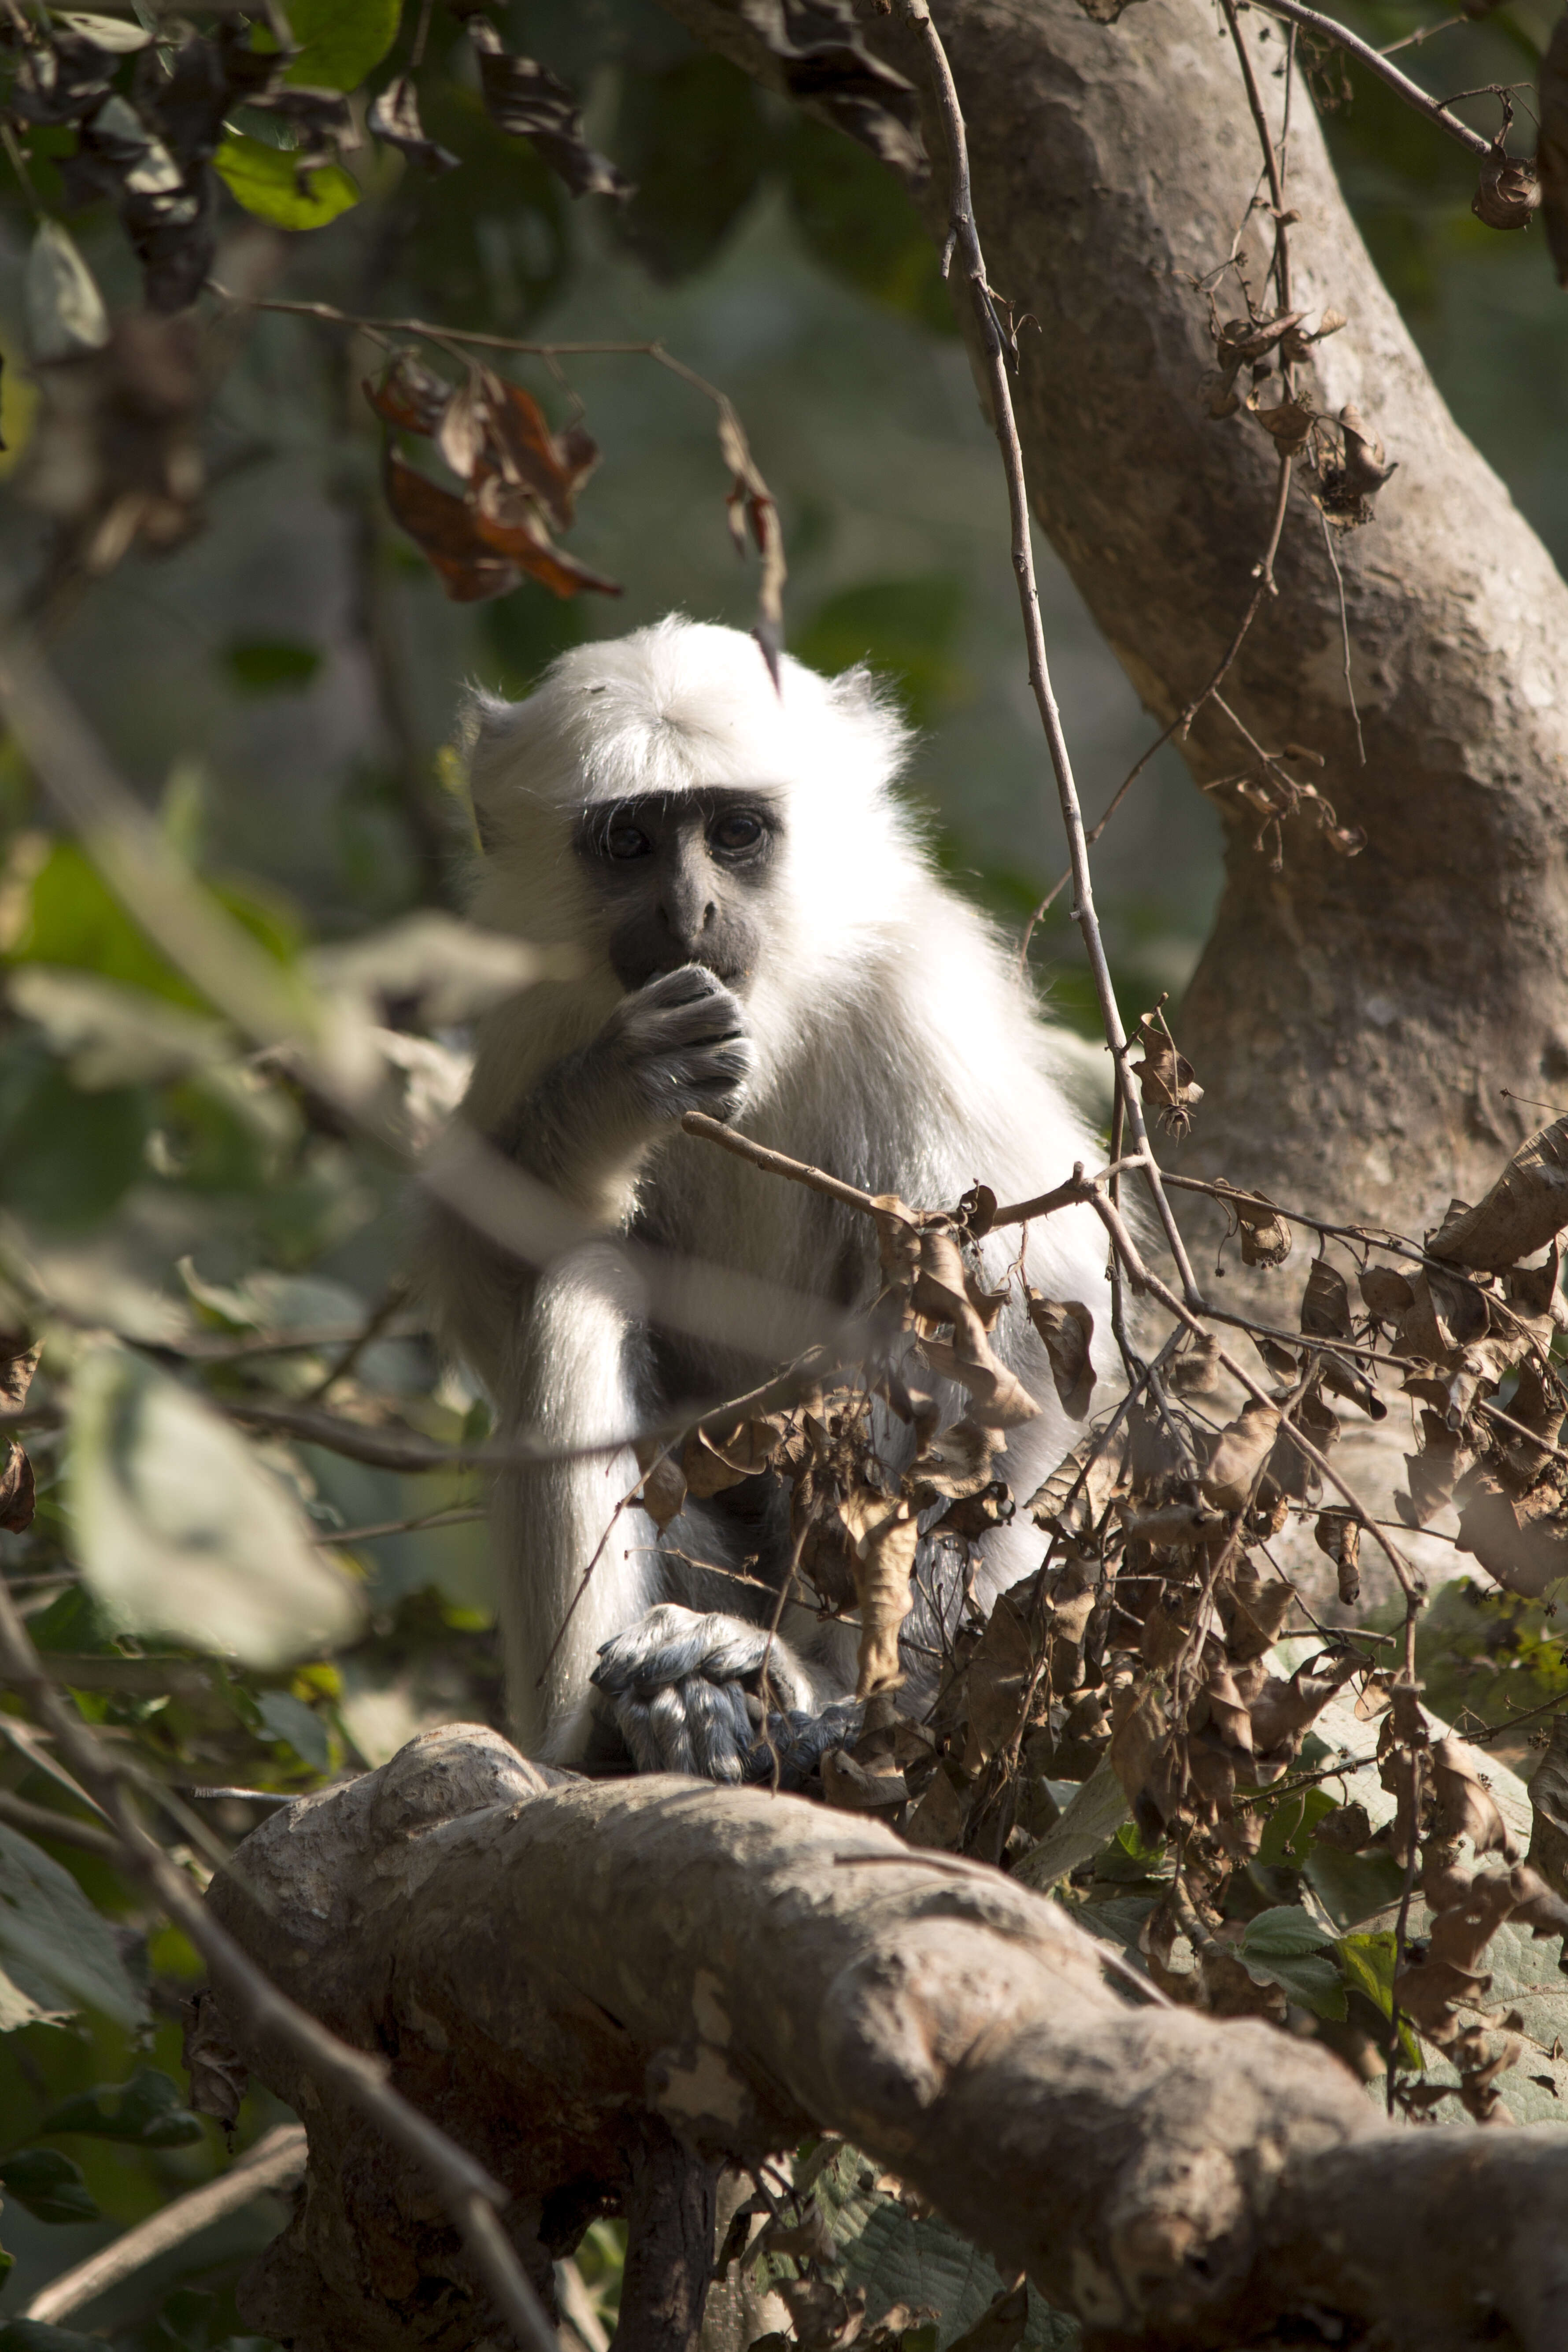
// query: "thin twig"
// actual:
[[42, 1821], [1344, 636], [465, 2187], [961, 218], [277, 2161], [1311, 21]]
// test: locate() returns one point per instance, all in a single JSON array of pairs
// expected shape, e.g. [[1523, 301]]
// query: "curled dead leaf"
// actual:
[[1509, 195], [1465, 1808], [1525, 1209], [1066, 1329], [884, 1533], [1165, 1077], [1240, 1453]]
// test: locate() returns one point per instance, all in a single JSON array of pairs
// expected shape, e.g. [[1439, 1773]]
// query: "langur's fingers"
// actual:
[[711, 1021], [717, 1745], [659, 1648], [637, 1733], [667, 1721], [685, 985]]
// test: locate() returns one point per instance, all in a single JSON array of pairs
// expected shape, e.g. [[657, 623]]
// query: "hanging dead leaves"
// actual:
[[519, 477], [1166, 1079]]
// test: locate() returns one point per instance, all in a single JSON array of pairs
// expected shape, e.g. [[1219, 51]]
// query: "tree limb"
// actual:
[[551, 1965]]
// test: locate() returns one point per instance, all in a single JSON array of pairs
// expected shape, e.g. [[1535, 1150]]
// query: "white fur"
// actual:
[[898, 1047]]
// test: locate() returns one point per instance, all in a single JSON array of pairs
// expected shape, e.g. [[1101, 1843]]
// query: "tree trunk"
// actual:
[[1352, 1020], [564, 1973]]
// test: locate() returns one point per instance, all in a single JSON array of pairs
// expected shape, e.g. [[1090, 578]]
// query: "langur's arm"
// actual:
[[677, 1044]]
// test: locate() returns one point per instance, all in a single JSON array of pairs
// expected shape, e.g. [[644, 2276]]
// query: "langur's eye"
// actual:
[[624, 842], [739, 829]]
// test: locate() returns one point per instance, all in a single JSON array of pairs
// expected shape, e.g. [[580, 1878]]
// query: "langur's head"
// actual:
[[658, 800]]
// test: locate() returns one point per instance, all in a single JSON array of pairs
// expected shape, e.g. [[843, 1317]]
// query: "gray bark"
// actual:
[[1352, 1021], [556, 1970]]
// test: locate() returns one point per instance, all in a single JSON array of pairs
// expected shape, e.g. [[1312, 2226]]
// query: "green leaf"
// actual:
[[1352, 1886], [271, 665], [180, 1530], [148, 2110], [1283, 1947], [48, 2184], [1089, 1823], [66, 1157], [286, 1718], [1367, 1962], [185, 2319], [899, 2260], [340, 40], [55, 1950], [109, 1036], [1287, 1831], [66, 317], [694, 140], [265, 181], [74, 1623], [38, 2335], [862, 226]]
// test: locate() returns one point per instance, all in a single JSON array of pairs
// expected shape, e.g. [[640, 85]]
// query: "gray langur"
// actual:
[[765, 938]]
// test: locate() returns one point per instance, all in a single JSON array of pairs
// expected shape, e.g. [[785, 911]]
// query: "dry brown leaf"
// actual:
[[1066, 1328], [1099, 1463], [1387, 1292], [1000, 1672], [956, 1462], [938, 1819], [1240, 1453], [1339, 1535], [1265, 1236], [1548, 1807], [1326, 1303], [1552, 154], [855, 1788], [1465, 1808], [1525, 1548], [884, 1533], [443, 528], [1528, 1205], [997, 1398], [1256, 1612], [525, 99], [1165, 1077], [409, 395], [1140, 1734], [1197, 1372], [664, 1492], [1509, 194]]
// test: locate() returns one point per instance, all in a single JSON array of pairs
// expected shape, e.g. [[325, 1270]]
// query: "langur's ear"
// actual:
[[486, 726], [859, 692]]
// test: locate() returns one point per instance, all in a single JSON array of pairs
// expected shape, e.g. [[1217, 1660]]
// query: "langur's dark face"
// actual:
[[683, 877]]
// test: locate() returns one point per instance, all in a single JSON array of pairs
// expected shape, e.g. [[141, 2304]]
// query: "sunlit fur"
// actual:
[[898, 1048]]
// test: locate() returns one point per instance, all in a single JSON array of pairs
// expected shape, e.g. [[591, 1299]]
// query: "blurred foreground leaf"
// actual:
[[180, 1531], [56, 1954]]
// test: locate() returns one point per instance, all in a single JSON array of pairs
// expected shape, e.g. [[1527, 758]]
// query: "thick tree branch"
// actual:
[[553, 1966]]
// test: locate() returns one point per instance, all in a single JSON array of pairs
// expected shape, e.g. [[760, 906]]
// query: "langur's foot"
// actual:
[[684, 1691], [789, 1751]]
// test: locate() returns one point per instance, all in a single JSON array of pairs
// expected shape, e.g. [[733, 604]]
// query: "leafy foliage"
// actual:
[[240, 1600]]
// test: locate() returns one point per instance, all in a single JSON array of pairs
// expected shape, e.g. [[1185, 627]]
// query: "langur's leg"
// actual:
[[574, 1383]]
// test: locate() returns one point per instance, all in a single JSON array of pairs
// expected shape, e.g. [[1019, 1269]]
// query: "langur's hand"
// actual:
[[684, 1691], [682, 1041]]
